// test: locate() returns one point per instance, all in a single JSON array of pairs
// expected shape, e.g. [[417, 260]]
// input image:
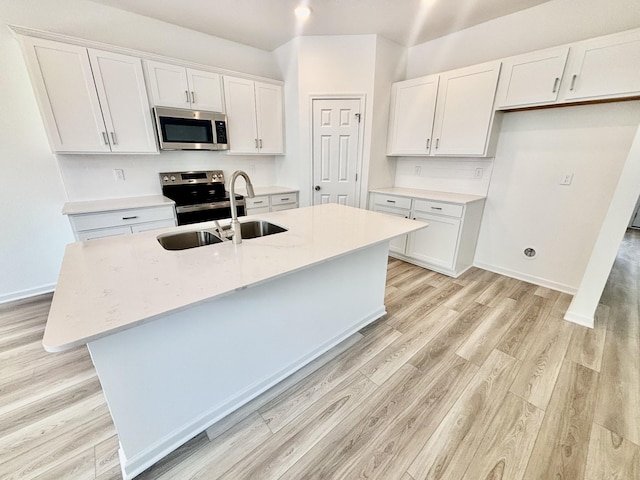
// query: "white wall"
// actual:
[[341, 64], [34, 231], [526, 205], [549, 24], [524, 171], [390, 64]]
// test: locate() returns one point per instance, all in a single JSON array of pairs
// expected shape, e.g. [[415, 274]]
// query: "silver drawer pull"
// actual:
[[391, 201], [256, 203], [129, 218], [284, 199], [436, 208]]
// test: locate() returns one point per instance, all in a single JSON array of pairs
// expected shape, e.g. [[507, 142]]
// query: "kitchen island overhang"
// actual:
[[171, 374]]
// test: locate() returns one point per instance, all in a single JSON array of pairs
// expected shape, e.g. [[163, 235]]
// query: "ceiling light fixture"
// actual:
[[302, 11]]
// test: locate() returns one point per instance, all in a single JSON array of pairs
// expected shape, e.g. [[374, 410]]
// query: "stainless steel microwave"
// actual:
[[181, 129]]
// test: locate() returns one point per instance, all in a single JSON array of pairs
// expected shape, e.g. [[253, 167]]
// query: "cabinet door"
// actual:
[[438, 243], [396, 244], [605, 67], [205, 89], [64, 86], [413, 105], [125, 105], [531, 79], [464, 110], [240, 103], [269, 118], [168, 84]]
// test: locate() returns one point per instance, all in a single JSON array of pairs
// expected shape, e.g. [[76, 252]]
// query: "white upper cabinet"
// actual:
[[124, 102], [180, 87], [446, 114], [464, 110], [254, 116], [413, 106], [531, 79], [605, 67], [92, 102]]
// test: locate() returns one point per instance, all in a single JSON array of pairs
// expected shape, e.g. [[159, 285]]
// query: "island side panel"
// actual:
[[170, 379]]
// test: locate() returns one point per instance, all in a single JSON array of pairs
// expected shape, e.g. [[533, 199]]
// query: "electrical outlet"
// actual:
[[566, 179], [118, 174], [418, 170], [479, 172]]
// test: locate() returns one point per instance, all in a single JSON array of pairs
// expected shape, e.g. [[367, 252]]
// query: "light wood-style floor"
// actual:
[[474, 378]]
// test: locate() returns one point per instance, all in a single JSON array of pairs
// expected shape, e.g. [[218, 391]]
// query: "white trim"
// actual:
[[360, 161], [579, 319], [59, 37], [29, 292], [543, 282]]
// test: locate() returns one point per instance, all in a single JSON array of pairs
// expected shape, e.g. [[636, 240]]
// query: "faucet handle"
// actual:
[[223, 234]]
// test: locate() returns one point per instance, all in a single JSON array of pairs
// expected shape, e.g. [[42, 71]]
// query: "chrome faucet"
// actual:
[[235, 224]]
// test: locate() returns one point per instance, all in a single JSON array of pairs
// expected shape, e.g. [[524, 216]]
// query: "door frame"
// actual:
[[361, 97]]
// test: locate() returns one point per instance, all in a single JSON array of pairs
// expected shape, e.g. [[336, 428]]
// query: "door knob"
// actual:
[[317, 188]]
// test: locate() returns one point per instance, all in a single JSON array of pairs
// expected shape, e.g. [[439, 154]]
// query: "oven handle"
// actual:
[[208, 206]]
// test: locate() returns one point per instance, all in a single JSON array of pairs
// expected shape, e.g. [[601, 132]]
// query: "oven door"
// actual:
[[189, 214]]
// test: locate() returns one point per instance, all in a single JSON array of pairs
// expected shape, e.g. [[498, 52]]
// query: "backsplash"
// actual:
[[91, 177], [458, 175]]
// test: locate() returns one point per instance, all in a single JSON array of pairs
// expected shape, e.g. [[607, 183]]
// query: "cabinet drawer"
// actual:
[[284, 198], [429, 206], [392, 201], [255, 202], [283, 206], [257, 210], [117, 218], [143, 227], [102, 233]]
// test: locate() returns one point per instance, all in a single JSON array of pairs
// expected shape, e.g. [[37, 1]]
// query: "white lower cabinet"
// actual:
[[447, 245], [271, 203], [88, 226]]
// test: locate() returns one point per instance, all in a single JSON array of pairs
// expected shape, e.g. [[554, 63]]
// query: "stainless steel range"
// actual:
[[200, 196]]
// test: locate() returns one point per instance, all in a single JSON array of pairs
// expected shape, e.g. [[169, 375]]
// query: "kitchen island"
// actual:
[[180, 339]]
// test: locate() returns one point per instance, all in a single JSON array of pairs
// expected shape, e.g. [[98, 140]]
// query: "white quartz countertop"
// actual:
[[268, 190], [92, 206], [429, 194], [110, 284]]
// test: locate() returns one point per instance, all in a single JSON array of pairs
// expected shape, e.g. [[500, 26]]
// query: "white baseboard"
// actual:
[[579, 318], [31, 292], [543, 282]]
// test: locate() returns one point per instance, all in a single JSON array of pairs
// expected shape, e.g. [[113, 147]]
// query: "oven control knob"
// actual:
[[173, 178], [165, 179]]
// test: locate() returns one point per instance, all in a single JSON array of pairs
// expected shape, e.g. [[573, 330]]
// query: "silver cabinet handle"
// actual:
[[257, 203], [391, 201], [555, 84], [256, 140], [260, 143], [428, 142], [437, 145], [186, 94], [436, 208], [113, 137], [105, 138], [193, 97], [130, 218], [285, 199], [573, 81]]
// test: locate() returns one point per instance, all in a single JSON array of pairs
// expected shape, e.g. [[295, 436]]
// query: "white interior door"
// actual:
[[336, 129]]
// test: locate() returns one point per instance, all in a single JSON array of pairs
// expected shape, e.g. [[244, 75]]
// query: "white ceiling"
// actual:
[[267, 24]]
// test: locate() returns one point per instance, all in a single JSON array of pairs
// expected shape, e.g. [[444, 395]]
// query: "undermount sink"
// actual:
[[258, 228], [199, 238], [184, 240]]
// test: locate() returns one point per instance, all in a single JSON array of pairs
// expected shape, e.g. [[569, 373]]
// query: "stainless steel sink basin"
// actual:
[[258, 228], [199, 238], [184, 240]]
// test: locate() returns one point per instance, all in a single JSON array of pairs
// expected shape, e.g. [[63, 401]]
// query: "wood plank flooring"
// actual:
[[474, 378]]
